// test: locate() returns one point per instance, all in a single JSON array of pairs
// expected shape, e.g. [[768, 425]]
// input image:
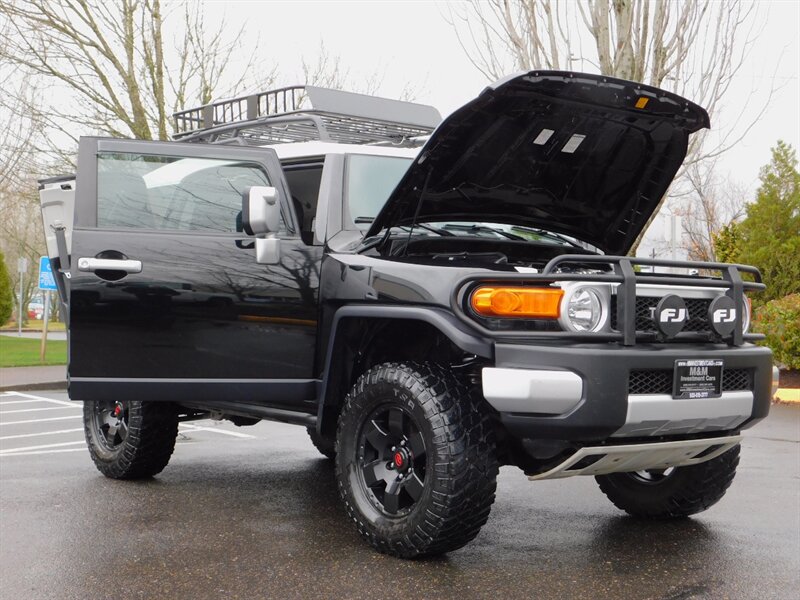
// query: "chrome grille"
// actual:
[[659, 381]]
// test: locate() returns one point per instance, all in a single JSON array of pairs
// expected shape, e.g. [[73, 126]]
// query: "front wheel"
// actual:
[[672, 493], [416, 463], [130, 440]]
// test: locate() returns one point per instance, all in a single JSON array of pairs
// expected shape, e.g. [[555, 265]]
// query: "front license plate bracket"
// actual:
[[697, 378]]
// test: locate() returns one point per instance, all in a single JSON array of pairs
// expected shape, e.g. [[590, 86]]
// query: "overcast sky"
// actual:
[[412, 43]]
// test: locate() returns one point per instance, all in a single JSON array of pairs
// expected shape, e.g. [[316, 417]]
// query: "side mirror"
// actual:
[[261, 211]]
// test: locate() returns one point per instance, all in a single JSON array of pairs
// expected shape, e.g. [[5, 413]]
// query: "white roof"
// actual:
[[302, 149]]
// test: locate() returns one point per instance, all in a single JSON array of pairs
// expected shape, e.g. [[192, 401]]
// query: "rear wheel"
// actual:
[[325, 445], [130, 440], [416, 462], [672, 493]]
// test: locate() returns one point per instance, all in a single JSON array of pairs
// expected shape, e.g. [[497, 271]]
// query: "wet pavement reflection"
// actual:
[[259, 517]]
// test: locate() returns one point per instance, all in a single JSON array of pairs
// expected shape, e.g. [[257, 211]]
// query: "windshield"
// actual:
[[370, 180]]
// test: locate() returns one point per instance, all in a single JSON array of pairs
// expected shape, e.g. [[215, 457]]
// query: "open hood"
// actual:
[[583, 155]]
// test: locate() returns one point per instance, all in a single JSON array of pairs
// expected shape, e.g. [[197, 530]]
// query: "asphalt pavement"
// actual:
[[253, 513]]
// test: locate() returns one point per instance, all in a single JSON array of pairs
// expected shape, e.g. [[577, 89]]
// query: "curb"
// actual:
[[787, 396]]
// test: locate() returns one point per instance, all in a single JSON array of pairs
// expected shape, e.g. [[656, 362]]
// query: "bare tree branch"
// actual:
[[112, 66]]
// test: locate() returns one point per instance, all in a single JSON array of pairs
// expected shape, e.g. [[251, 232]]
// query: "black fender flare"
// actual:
[[449, 325]]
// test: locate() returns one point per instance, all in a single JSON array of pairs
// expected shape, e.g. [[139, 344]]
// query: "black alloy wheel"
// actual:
[[110, 420], [652, 476], [391, 460]]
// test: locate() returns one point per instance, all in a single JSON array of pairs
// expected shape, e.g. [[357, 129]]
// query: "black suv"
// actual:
[[430, 300]]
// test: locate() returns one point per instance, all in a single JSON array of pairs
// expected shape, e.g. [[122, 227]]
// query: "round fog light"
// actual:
[[584, 310]]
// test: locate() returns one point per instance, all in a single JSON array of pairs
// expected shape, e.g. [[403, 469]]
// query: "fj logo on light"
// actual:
[[672, 315], [724, 315]]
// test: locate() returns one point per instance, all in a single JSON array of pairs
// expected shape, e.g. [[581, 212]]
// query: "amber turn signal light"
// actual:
[[526, 302]]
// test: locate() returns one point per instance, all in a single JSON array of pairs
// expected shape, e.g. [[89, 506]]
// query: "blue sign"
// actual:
[[46, 279]]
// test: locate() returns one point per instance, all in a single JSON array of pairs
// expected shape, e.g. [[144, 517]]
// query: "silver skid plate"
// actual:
[[638, 457]]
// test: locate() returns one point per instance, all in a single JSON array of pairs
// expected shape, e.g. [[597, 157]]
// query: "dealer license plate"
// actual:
[[697, 379]]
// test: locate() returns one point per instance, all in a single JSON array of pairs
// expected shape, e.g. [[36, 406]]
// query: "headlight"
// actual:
[[584, 310]]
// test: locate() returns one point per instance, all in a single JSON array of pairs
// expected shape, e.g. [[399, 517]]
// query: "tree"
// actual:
[[21, 234], [694, 49], [706, 208], [114, 61], [727, 241], [770, 234], [327, 71], [6, 293]]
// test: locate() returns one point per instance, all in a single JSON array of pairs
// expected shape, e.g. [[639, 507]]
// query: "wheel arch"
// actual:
[[359, 339]]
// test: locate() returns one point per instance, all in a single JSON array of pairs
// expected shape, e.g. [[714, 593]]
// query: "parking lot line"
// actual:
[[37, 434], [43, 446], [217, 430], [43, 399], [9, 402], [61, 451], [40, 420], [27, 410]]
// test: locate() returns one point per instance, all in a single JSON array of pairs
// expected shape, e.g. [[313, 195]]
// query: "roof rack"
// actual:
[[304, 113]]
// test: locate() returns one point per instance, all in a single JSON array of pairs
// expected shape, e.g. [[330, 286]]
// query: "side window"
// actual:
[[169, 192], [304, 183]]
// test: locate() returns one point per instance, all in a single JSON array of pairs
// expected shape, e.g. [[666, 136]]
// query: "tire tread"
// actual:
[[697, 488], [148, 446], [466, 478]]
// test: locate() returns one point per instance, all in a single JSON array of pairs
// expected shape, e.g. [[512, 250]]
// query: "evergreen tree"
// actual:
[[727, 241], [6, 293], [769, 237]]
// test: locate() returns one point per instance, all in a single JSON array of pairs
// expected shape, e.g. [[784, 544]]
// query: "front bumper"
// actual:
[[580, 392]]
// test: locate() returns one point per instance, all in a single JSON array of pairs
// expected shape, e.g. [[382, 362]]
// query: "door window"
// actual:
[[169, 192]]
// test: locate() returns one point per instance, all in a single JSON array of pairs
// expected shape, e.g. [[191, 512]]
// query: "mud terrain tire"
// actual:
[[130, 440], [438, 434], [682, 492]]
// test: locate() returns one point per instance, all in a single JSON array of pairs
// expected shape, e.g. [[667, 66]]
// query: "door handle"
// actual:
[[109, 264]]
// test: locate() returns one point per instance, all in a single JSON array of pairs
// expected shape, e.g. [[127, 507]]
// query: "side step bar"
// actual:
[[638, 457]]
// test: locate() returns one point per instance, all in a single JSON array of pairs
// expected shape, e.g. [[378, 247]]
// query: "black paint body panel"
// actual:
[[201, 308]]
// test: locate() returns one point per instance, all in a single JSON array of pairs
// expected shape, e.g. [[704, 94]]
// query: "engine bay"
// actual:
[[502, 255]]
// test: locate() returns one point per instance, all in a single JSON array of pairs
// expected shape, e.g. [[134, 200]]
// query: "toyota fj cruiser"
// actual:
[[427, 313]]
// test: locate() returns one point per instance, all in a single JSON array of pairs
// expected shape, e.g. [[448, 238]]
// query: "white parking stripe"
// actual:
[[9, 402], [27, 435], [14, 450], [27, 410], [40, 420], [44, 452], [217, 430], [43, 399]]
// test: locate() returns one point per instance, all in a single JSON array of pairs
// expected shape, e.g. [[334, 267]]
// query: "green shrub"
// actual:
[[779, 320], [6, 293]]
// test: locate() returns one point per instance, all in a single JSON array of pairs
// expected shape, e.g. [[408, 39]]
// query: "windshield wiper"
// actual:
[[361, 220], [377, 240], [442, 232], [550, 234], [475, 228]]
